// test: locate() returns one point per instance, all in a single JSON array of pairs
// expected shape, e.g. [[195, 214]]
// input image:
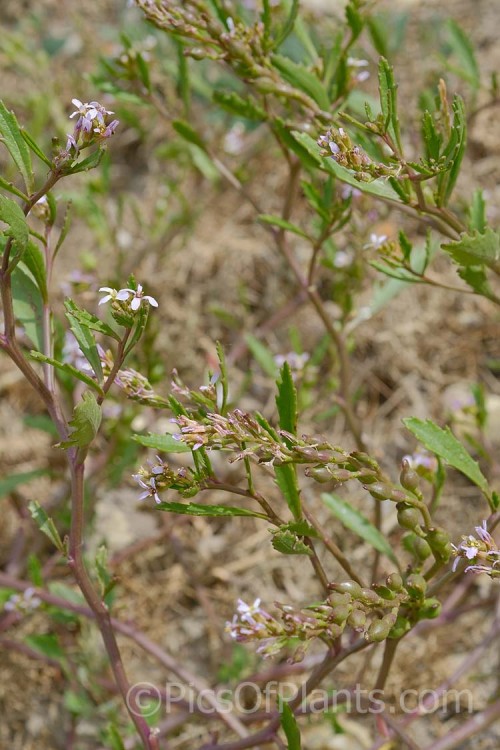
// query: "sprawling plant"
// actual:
[[246, 68]]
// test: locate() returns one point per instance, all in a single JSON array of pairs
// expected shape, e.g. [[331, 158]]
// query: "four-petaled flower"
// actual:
[[149, 488], [123, 294]]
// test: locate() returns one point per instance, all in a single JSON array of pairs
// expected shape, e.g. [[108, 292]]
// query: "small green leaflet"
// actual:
[[354, 520], [286, 400], [217, 511], [476, 249], [190, 135], [164, 443], [86, 422], [288, 543], [277, 221], [46, 644], [11, 136], [445, 445], [290, 726], [46, 525], [69, 369], [12, 214]]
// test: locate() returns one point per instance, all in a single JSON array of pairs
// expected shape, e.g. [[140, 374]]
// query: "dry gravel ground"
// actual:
[[408, 357]]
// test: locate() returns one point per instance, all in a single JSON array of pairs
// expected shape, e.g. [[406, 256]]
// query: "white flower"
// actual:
[[376, 241], [149, 487], [111, 294], [123, 294]]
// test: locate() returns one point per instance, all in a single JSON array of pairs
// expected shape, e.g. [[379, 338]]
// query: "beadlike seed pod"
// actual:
[[379, 490], [417, 546], [430, 609], [439, 542], [408, 517], [409, 478], [400, 627], [357, 619], [394, 582], [384, 591], [340, 614], [320, 474], [416, 585], [347, 587], [380, 629]]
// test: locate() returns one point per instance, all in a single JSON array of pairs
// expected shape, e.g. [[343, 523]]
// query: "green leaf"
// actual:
[[164, 443], [288, 25], [289, 724], [453, 152], [190, 135], [233, 103], [475, 277], [46, 525], [431, 136], [11, 136], [12, 214], [35, 263], [28, 306], [46, 644], [87, 344], [286, 479], [86, 422], [113, 738], [476, 249], [302, 78], [91, 162], [378, 187], [218, 511], [35, 148], [477, 212], [291, 140], [89, 320], [262, 354], [5, 185], [68, 369], [223, 378], [277, 221], [445, 445], [354, 19], [463, 49], [286, 400], [16, 480], [141, 319], [389, 100], [355, 521], [288, 543]]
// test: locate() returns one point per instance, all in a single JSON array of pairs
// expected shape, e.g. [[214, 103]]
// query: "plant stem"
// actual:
[[332, 547]]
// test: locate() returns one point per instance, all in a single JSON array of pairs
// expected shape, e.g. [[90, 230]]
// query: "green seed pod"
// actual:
[[380, 629], [320, 474], [416, 585], [439, 542], [384, 591], [368, 596], [400, 627], [357, 619], [394, 582], [408, 517], [339, 600], [379, 490], [340, 614], [368, 476], [430, 609], [347, 587], [417, 547], [409, 478]]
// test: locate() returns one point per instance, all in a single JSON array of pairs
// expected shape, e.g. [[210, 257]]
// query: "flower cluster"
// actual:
[[122, 295], [338, 145], [159, 476], [23, 603], [91, 125], [482, 552]]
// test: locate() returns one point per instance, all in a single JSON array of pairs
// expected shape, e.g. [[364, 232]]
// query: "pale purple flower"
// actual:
[[25, 602], [137, 297], [149, 488]]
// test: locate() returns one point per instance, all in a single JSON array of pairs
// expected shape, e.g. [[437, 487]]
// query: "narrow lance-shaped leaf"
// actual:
[[46, 525], [464, 50], [28, 305], [11, 136], [444, 444], [454, 152], [277, 221], [302, 78], [355, 521], [68, 369], [16, 480], [162, 443], [35, 263], [288, 25], [233, 103], [286, 400], [87, 344], [389, 101], [217, 511], [477, 212], [290, 726], [89, 320], [12, 214]]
